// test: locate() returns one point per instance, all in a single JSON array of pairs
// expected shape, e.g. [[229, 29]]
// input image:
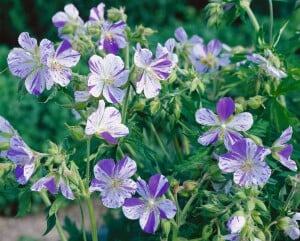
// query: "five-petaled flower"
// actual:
[[106, 122], [208, 58], [282, 152], [53, 185], [246, 161], [107, 76], [223, 125], [152, 205], [182, 37], [113, 181], [152, 70], [290, 226]]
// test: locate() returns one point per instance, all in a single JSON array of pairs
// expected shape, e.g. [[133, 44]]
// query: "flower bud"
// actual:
[[67, 29], [284, 222], [154, 106], [140, 105], [4, 145], [115, 14], [189, 185], [76, 132], [166, 227], [256, 139], [256, 101]]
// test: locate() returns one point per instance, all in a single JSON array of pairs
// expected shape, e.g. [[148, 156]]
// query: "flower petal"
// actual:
[[23, 173], [241, 122], [133, 208], [94, 120], [104, 169], [125, 168], [256, 58], [209, 137], [152, 86], [206, 117], [97, 13], [45, 182], [98, 185], [230, 162], [166, 208], [61, 76], [181, 35], [113, 94], [66, 190], [284, 158], [285, 136], [225, 108], [149, 221], [19, 152], [67, 56], [108, 137], [142, 58], [47, 50], [214, 47], [230, 138], [60, 19], [158, 185], [35, 82], [235, 224], [143, 189], [95, 85], [26, 42]]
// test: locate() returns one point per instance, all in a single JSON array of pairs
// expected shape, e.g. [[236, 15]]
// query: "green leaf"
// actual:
[[288, 85], [279, 116], [24, 203], [51, 221], [56, 205]]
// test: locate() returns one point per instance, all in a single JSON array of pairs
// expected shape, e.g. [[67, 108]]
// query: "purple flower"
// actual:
[[167, 49], [207, 58], [291, 227], [282, 152], [267, 65], [113, 37], [223, 125], [23, 157], [106, 122], [59, 63], [108, 75], [182, 37], [113, 181], [235, 224], [50, 183], [151, 206], [29, 63], [246, 161], [152, 70], [68, 22], [97, 14], [6, 132]]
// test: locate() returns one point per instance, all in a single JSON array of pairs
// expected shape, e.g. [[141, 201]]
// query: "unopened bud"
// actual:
[[166, 227], [140, 105], [67, 29], [255, 102], [154, 106], [115, 14], [190, 185], [76, 132], [256, 139]]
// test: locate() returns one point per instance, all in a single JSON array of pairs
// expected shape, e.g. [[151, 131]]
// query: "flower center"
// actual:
[[108, 81], [248, 166], [151, 203], [55, 65], [115, 183], [210, 60], [223, 125]]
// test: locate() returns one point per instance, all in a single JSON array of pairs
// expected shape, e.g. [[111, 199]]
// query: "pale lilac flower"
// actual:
[[106, 123], [182, 37], [223, 125], [292, 228], [6, 132], [152, 71], [246, 161], [29, 63], [236, 237], [266, 65], [23, 157], [113, 37], [97, 14], [113, 181], [169, 49], [50, 183], [282, 151], [151, 206], [107, 76], [208, 58], [68, 19], [60, 62], [235, 224]]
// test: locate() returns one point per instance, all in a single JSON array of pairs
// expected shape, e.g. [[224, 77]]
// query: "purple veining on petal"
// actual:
[[158, 185], [225, 108]]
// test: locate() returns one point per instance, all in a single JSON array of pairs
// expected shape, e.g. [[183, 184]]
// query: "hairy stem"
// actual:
[[245, 4], [82, 222], [271, 23], [92, 219]]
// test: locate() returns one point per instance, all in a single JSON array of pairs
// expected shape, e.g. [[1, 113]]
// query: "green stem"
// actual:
[[125, 105], [92, 219], [82, 222], [4, 70], [88, 150], [57, 223], [160, 143], [271, 23], [245, 4], [177, 148]]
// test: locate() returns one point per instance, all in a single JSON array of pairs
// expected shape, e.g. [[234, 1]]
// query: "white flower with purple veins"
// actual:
[[29, 63], [60, 62], [151, 206], [282, 151], [167, 49], [106, 123], [235, 224], [267, 65], [6, 132], [291, 227], [246, 161], [224, 125], [68, 19], [152, 71], [97, 14], [182, 37], [107, 76], [53, 186], [113, 37], [208, 58], [113, 181], [23, 157]]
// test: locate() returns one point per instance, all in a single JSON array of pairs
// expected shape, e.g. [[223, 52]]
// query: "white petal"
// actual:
[[241, 122]]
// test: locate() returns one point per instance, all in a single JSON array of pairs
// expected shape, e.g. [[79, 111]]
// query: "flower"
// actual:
[[152, 205], [223, 124], [290, 226], [282, 152], [29, 63], [108, 75], [269, 64], [168, 48], [113, 181], [6, 132], [59, 63], [152, 70], [246, 160], [97, 13], [106, 122], [182, 37], [68, 22], [235, 224], [207, 58], [112, 37], [50, 184]]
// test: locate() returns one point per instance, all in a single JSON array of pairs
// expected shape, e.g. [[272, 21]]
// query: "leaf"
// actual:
[[279, 116], [24, 203], [51, 221], [56, 205], [281, 30], [288, 85]]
